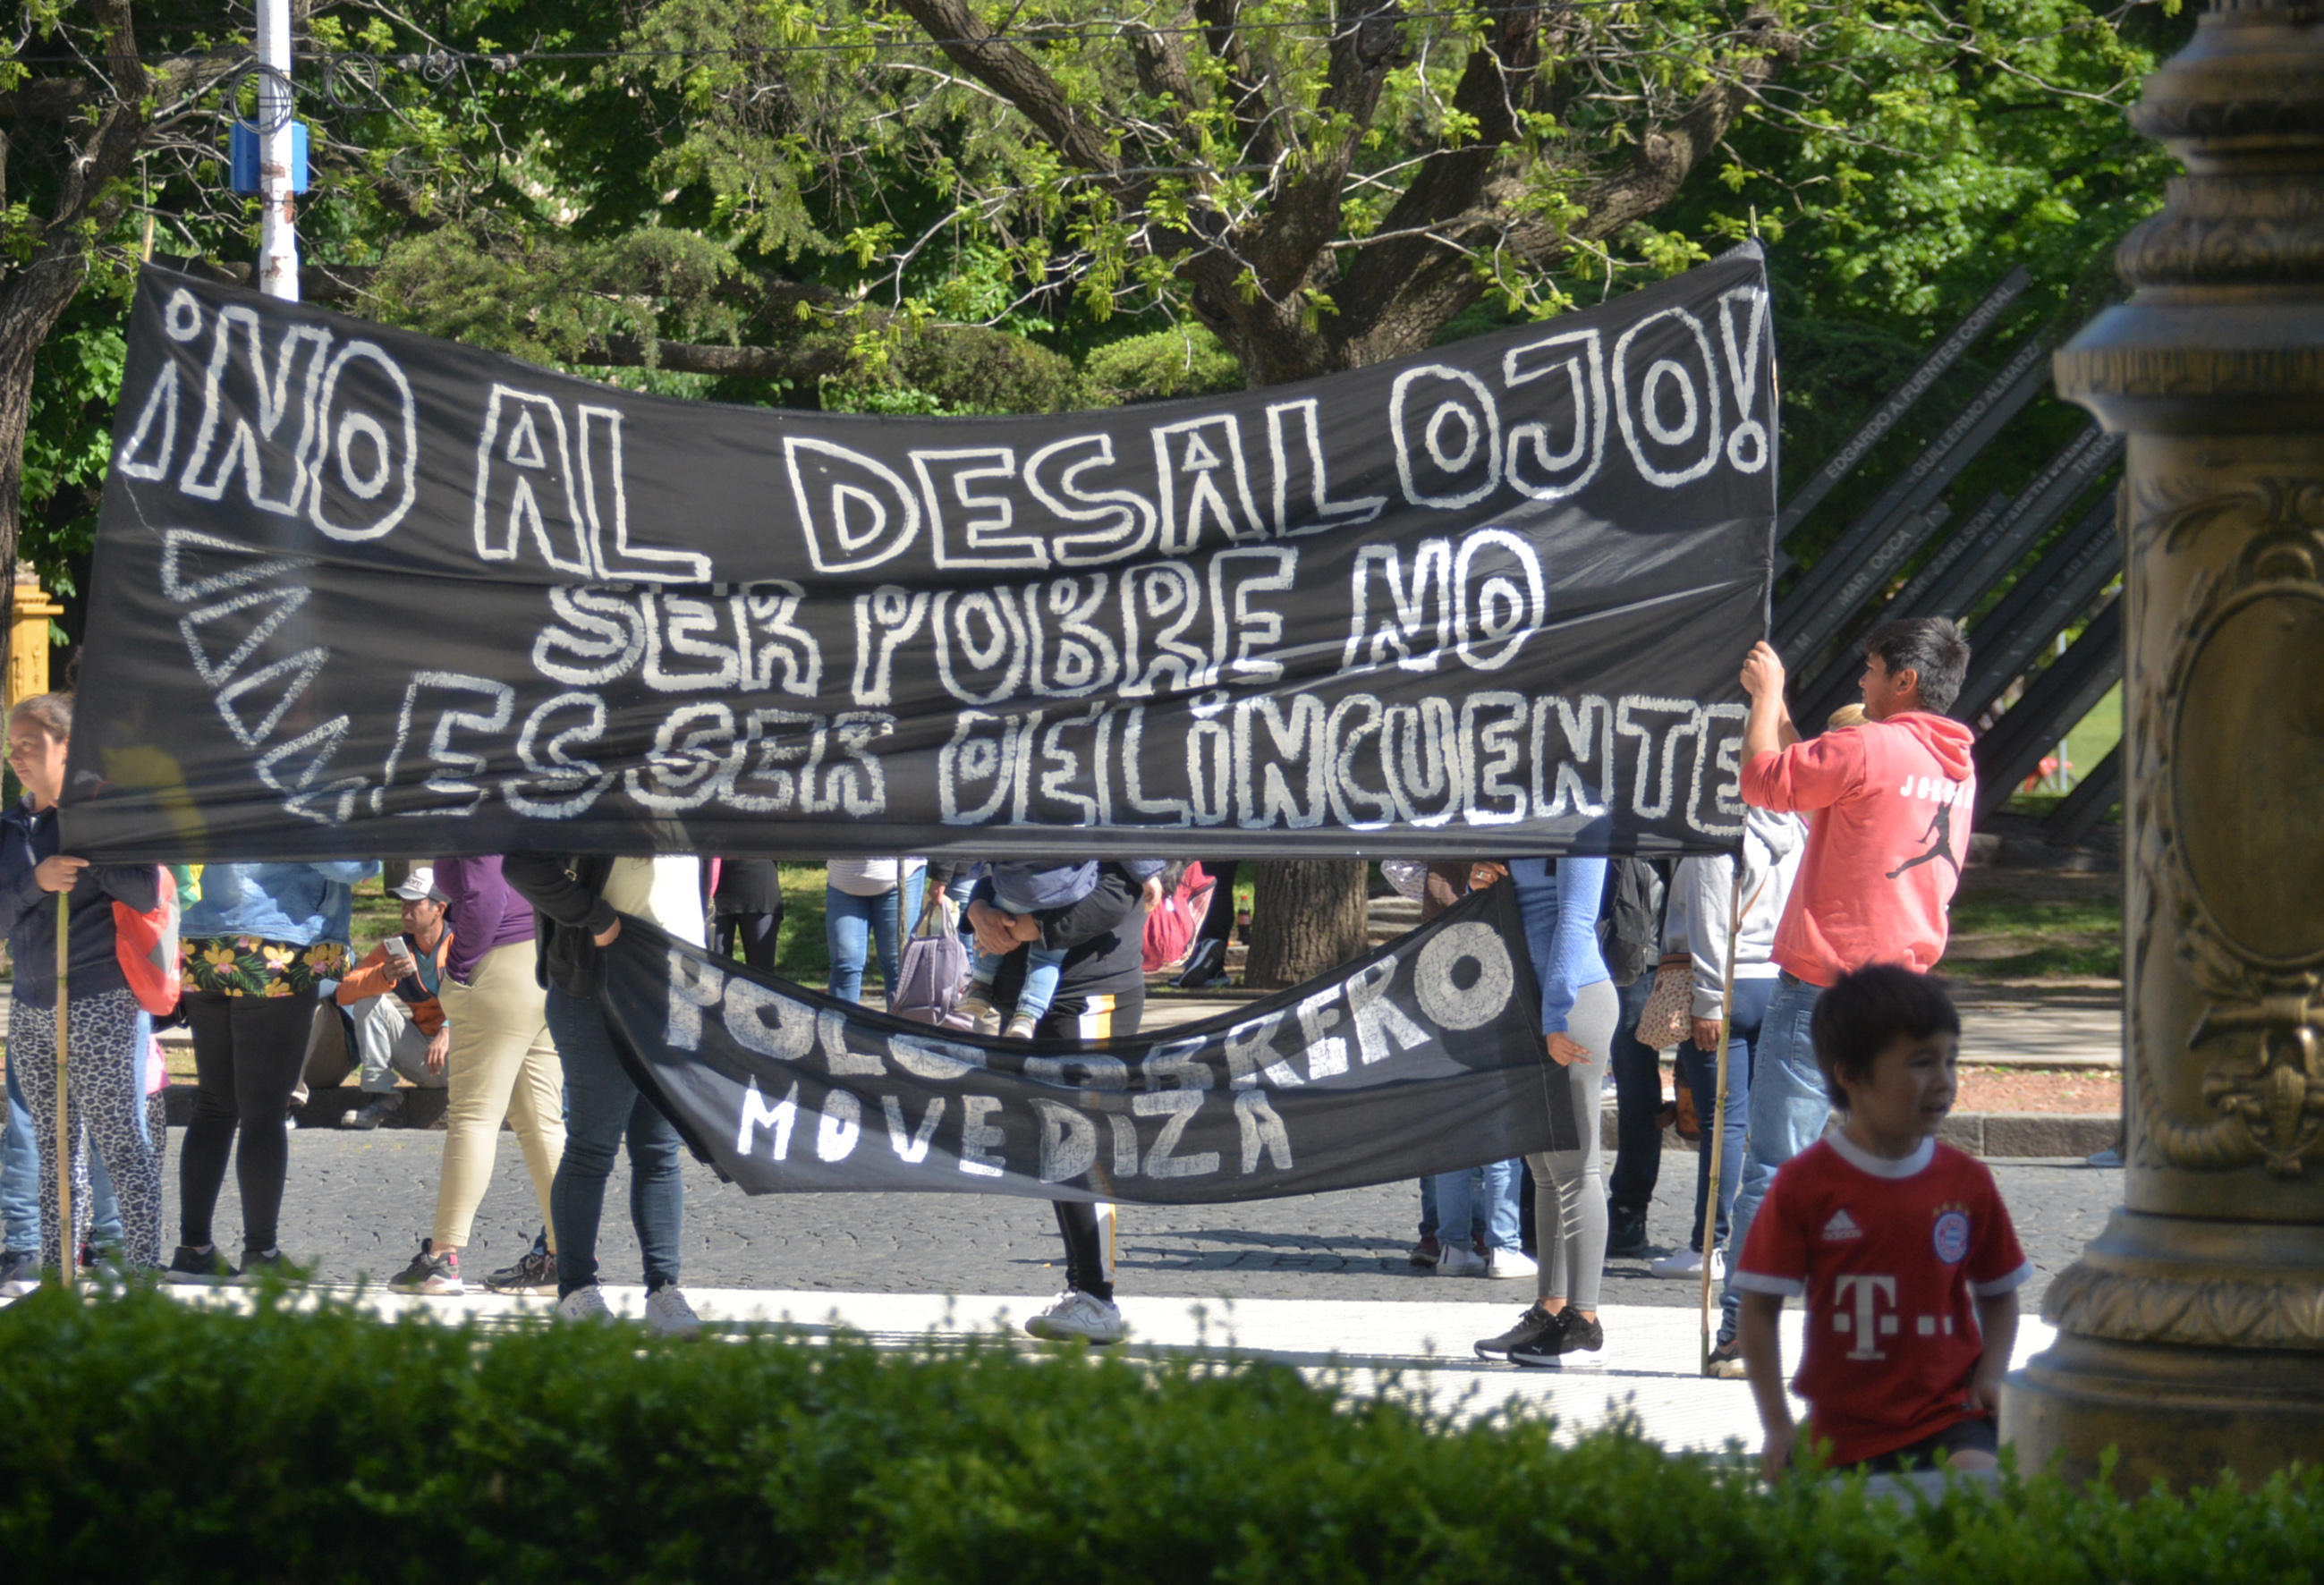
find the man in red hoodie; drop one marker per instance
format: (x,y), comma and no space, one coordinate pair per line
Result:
(1889,805)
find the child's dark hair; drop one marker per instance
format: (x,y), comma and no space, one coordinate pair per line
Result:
(1930,647)
(1864,1011)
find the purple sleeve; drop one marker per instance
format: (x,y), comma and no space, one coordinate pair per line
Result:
(480,898)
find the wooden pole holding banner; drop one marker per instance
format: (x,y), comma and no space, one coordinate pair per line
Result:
(67,1245)
(1715,1125)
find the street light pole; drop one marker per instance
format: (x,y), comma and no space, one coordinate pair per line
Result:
(278,249)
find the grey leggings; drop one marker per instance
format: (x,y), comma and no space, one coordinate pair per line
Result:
(1569,1187)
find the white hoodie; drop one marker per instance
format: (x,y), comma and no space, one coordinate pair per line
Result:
(1701,893)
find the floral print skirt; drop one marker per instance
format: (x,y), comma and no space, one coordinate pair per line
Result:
(251,966)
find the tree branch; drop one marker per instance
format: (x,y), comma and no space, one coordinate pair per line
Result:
(1305,217)
(1015,76)
(1450,182)
(1408,301)
(1254,120)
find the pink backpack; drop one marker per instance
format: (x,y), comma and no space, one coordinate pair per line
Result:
(1170,928)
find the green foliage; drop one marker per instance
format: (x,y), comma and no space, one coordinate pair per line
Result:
(1896,174)
(980,371)
(556,304)
(156,1441)
(1186,360)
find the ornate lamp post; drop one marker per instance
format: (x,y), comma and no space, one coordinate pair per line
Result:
(2191,1333)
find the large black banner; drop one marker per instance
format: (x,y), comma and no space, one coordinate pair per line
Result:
(361,592)
(1425,1055)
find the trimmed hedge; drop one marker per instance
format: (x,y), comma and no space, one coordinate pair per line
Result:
(149,1440)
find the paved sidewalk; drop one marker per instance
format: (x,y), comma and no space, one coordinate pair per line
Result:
(358,1203)
(1420,1353)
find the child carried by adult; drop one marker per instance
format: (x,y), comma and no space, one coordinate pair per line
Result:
(1026,889)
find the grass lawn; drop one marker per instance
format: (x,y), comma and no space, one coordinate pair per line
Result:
(2035,924)
(2090,740)
(802,951)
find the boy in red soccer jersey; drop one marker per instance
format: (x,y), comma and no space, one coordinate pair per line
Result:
(1900,1245)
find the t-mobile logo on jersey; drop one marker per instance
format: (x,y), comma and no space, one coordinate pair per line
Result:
(1861,1316)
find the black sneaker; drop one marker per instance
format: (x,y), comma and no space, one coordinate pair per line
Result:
(192,1268)
(431,1271)
(535,1272)
(1726,1361)
(1626,1237)
(259,1264)
(1576,1335)
(1532,1328)
(1205,965)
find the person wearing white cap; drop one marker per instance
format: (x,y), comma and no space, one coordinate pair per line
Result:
(411,1038)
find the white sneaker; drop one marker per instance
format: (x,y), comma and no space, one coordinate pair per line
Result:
(1683,1263)
(1077,1314)
(669,1314)
(1510,1262)
(1460,1260)
(584,1304)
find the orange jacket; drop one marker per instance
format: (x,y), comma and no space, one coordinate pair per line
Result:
(370,978)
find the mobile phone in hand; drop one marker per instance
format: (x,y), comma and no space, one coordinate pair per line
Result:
(399,954)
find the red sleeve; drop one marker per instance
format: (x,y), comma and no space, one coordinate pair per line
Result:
(1812,774)
(1775,1256)
(1997,1264)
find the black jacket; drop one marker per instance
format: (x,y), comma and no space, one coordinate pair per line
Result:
(1102,936)
(570,912)
(29,916)
(748,885)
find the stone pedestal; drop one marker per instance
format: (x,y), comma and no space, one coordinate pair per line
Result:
(2192,1334)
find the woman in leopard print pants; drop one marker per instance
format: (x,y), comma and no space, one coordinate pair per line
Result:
(107,1030)
(105,1106)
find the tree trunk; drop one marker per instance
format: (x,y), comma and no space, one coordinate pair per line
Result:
(30,306)
(1308,917)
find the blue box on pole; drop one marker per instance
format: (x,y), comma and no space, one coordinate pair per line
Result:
(242,150)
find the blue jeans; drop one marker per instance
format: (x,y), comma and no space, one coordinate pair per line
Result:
(1044,966)
(1637,1104)
(854,925)
(20,1185)
(1484,1195)
(1789,1109)
(602,1107)
(1700,1071)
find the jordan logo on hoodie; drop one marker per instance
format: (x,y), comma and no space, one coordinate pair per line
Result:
(1940,834)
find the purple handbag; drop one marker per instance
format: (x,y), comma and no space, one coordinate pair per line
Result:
(933,975)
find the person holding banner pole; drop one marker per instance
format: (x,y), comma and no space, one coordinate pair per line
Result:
(1889,805)
(1558,901)
(1101,994)
(78,1036)
(578,904)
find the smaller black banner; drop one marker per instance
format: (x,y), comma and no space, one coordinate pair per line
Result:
(1423,1056)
